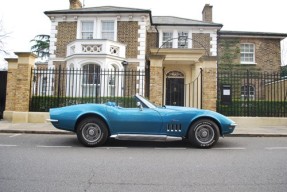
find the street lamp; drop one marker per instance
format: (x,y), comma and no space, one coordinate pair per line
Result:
(182,40)
(125,64)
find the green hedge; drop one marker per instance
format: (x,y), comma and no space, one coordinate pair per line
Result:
(44,103)
(254,108)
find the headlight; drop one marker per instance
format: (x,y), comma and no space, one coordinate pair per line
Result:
(232,126)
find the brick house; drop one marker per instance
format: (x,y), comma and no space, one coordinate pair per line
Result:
(250,50)
(175,51)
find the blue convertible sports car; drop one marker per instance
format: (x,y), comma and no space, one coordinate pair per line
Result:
(95,123)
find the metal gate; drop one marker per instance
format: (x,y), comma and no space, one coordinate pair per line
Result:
(3,85)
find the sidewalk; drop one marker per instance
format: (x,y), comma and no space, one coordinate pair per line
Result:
(47,128)
(37,128)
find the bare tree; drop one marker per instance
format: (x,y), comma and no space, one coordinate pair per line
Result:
(3,36)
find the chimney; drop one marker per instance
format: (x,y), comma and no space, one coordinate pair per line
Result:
(75,4)
(207,13)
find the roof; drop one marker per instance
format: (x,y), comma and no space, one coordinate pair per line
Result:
(157,20)
(177,21)
(99,10)
(252,34)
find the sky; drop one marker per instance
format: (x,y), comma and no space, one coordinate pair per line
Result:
(24,19)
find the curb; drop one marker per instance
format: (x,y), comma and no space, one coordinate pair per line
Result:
(256,135)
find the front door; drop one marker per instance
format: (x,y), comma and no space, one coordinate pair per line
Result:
(175,90)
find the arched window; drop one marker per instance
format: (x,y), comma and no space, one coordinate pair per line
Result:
(91,85)
(175,74)
(44,86)
(112,81)
(91,74)
(247,91)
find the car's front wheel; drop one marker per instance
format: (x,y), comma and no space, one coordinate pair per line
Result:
(92,132)
(204,133)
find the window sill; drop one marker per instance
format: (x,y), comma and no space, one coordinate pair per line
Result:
(248,63)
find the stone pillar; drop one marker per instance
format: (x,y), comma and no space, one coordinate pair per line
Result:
(19,86)
(156,79)
(209,83)
(11,84)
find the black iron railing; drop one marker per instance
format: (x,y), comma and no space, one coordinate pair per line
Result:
(252,94)
(61,87)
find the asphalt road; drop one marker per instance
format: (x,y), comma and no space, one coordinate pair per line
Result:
(60,163)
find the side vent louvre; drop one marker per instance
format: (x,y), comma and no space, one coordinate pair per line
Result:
(173,127)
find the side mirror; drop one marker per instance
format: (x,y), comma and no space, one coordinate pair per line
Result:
(139,105)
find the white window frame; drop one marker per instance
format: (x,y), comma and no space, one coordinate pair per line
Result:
(92,31)
(108,31)
(97,28)
(168,44)
(245,52)
(175,34)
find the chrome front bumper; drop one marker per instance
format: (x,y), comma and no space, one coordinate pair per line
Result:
(52,120)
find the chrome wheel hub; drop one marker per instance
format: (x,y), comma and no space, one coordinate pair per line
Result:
(204,134)
(91,132)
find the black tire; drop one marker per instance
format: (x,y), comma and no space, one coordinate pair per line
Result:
(204,133)
(92,132)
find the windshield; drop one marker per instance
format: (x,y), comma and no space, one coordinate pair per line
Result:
(145,102)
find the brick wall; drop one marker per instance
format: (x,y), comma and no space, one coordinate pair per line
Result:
(152,41)
(267,54)
(128,34)
(156,86)
(201,41)
(209,88)
(11,89)
(59,63)
(67,32)
(41,66)
(130,80)
(229,51)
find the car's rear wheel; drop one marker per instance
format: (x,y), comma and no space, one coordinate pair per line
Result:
(204,133)
(92,132)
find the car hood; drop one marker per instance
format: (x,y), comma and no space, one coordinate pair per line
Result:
(194,112)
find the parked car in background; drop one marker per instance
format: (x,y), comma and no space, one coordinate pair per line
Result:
(95,123)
